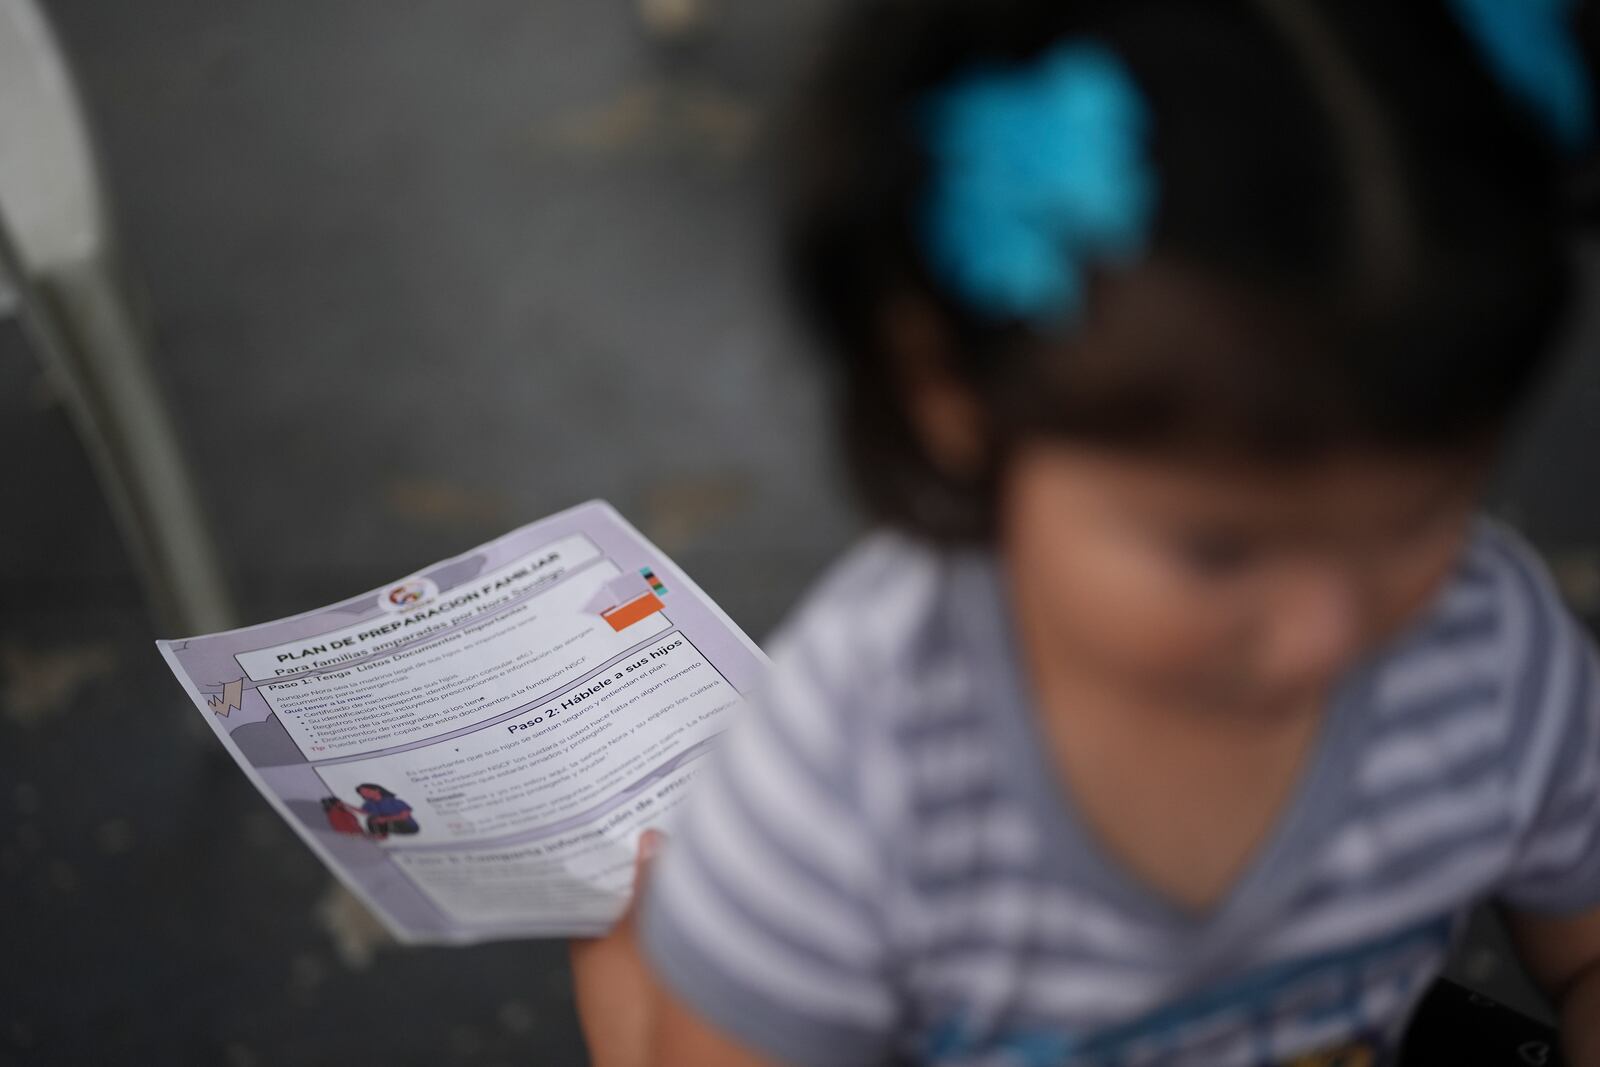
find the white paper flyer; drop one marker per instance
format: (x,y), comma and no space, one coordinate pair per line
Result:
(475,749)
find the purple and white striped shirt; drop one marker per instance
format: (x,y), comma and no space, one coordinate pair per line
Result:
(880,866)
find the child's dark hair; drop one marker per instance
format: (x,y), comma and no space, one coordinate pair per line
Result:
(1357,243)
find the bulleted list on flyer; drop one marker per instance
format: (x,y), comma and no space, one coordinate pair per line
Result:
(475,749)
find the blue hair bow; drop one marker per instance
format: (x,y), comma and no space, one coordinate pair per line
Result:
(1530,46)
(1036,171)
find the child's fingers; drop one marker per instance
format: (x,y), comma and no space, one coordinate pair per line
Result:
(611,982)
(650,843)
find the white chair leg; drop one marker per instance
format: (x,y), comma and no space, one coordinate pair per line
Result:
(79,320)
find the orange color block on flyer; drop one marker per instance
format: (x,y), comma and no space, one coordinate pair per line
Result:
(624,615)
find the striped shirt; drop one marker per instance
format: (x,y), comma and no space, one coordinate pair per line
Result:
(879,864)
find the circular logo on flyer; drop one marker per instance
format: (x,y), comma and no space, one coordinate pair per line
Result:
(411,593)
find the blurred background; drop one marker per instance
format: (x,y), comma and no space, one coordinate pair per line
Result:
(407,274)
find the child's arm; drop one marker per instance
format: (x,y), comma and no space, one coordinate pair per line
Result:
(767,915)
(631,1020)
(680,1038)
(612,988)
(1564,956)
(628,1018)
(1551,893)
(761,936)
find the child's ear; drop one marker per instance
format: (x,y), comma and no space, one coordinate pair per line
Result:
(943,410)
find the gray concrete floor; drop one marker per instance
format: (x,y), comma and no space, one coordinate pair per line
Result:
(383,247)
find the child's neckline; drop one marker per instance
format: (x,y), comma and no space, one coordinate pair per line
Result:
(1075,851)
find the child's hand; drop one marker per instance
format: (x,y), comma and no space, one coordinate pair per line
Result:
(612,985)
